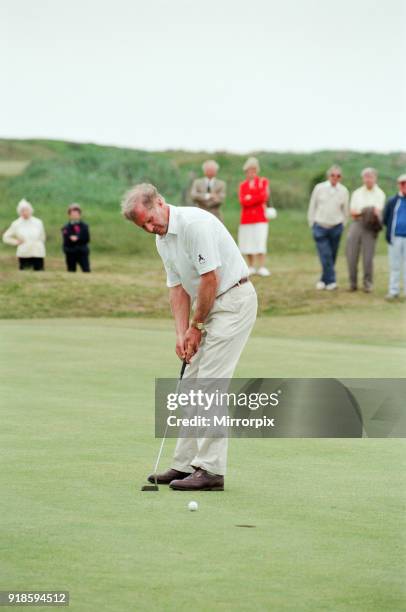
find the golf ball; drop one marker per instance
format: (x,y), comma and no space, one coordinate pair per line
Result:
(193,506)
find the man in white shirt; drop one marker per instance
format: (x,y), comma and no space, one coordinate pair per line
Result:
(204,266)
(366,206)
(327,215)
(209,192)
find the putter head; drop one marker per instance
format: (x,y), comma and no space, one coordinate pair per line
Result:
(152,487)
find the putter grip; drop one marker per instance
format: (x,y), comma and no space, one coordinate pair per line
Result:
(182,370)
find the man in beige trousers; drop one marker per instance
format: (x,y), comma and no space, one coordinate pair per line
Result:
(366,200)
(209,192)
(204,268)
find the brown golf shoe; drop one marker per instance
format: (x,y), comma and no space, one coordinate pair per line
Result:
(200,480)
(168,476)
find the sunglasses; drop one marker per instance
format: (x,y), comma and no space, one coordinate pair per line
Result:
(335,175)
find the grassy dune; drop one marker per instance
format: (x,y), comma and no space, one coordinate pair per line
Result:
(127,277)
(54,174)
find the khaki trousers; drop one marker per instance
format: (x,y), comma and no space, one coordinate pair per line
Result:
(360,240)
(228,326)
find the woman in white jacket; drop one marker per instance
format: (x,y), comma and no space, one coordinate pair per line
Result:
(28,235)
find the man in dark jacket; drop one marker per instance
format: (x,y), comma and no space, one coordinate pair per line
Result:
(76,238)
(394,218)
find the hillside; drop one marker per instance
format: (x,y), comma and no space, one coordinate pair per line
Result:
(51,174)
(127,277)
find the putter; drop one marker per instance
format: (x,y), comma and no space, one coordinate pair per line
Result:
(154,487)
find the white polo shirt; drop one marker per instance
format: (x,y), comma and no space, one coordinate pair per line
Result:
(364,198)
(197,242)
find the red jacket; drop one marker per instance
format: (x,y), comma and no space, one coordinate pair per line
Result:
(253,208)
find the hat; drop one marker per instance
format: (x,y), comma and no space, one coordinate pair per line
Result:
(402,178)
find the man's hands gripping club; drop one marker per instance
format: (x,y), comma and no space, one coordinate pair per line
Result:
(188,338)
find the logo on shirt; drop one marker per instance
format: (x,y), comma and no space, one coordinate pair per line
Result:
(201,259)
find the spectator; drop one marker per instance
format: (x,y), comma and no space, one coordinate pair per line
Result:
(394,218)
(76,238)
(327,214)
(209,192)
(28,235)
(253,230)
(366,208)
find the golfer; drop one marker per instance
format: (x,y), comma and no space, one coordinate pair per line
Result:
(205,269)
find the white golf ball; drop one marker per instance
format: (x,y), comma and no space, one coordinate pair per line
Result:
(193,506)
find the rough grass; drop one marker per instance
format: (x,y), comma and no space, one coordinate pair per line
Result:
(134,286)
(12,168)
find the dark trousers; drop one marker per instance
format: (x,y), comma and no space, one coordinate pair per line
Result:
(327,241)
(36,263)
(75,258)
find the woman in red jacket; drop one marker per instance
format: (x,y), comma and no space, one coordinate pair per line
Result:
(253,230)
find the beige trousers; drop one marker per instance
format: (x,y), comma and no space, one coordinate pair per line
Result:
(360,240)
(228,326)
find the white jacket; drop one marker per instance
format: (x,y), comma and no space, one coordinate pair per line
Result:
(31,232)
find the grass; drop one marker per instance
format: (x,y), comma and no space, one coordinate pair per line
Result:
(12,168)
(77,369)
(77,441)
(128,279)
(135,286)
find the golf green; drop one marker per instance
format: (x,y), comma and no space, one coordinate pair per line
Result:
(327,516)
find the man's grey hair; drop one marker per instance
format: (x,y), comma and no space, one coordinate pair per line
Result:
(208,163)
(334,169)
(369,171)
(143,193)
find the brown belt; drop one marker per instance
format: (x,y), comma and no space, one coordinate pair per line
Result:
(240,282)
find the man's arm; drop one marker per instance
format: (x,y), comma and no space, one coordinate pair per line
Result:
(198,196)
(354,209)
(312,207)
(381,205)
(205,299)
(206,295)
(180,307)
(220,194)
(386,210)
(346,205)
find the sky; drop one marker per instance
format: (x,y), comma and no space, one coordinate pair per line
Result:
(235,75)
